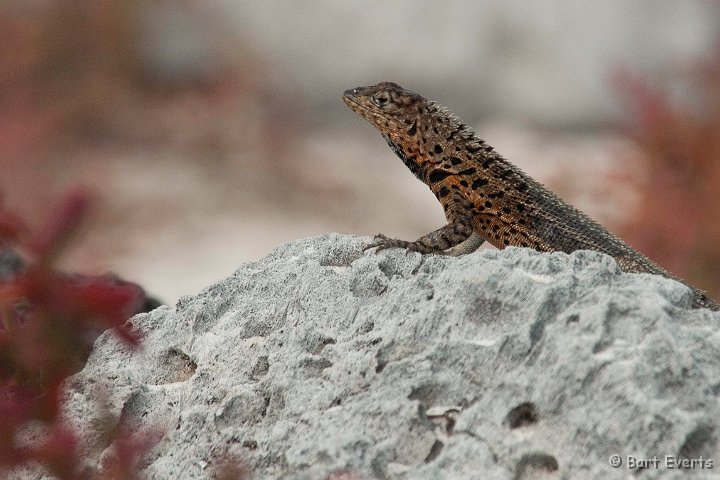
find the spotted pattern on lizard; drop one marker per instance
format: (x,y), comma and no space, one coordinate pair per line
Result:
(485,197)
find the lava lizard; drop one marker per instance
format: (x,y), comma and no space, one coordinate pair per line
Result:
(484,196)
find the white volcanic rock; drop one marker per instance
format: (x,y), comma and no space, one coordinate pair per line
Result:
(321,359)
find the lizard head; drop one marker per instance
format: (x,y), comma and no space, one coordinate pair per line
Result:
(388,106)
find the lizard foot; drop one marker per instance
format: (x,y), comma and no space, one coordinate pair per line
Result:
(381,242)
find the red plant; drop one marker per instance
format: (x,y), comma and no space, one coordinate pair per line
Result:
(128,447)
(679,209)
(48,321)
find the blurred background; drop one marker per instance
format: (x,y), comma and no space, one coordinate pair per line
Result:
(212,131)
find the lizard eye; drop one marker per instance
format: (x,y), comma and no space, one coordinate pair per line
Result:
(381,100)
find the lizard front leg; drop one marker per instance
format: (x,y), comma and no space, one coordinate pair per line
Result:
(458,230)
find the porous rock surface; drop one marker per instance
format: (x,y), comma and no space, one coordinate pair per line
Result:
(319,360)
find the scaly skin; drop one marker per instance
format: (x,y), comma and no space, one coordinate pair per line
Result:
(485,197)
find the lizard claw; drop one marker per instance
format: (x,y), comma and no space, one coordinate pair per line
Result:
(379,242)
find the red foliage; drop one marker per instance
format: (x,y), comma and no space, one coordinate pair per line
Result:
(123,461)
(11,228)
(679,208)
(48,321)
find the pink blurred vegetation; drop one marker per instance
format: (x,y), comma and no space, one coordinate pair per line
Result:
(73,74)
(677,222)
(48,321)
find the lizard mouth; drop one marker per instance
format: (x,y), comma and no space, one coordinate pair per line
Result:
(350,99)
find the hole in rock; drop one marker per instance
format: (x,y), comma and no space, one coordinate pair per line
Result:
(521,415)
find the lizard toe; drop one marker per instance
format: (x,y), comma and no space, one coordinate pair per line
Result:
(379,242)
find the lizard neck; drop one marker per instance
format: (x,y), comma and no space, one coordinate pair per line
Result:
(409,160)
